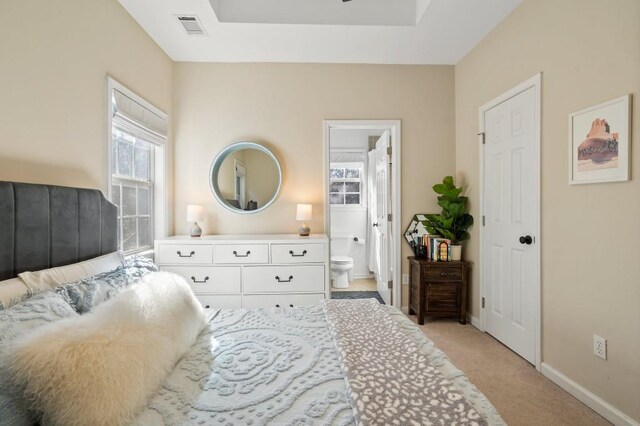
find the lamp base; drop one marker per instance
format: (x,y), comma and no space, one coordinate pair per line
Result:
(195,231)
(304,230)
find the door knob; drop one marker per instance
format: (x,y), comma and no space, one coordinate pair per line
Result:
(526,240)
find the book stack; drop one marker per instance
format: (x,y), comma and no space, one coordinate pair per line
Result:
(432,247)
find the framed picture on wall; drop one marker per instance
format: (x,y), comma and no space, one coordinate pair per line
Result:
(599,139)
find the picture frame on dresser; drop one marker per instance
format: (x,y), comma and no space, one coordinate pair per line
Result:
(250,271)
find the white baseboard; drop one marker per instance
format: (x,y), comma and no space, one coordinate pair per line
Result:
(474,321)
(405,310)
(362,276)
(590,399)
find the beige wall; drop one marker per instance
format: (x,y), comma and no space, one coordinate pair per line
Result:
(283,106)
(588,52)
(55,57)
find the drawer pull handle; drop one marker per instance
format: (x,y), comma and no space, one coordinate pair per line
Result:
(207,306)
(443,274)
(297,255)
(291,306)
(284,281)
(200,281)
(235,253)
(185,255)
(277,306)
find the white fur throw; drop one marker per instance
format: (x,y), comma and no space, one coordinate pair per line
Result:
(102,367)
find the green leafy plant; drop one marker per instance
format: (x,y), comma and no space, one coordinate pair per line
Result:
(454,220)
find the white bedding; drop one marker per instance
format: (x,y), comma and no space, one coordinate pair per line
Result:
(277,366)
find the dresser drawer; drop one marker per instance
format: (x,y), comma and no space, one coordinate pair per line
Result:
(443,273)
(241,253)
(283,279)
(184,254)
(280,300)
(209,279)
(220,301)
(297,253)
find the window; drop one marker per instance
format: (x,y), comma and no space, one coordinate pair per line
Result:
(345,184)
(136,172)
(132,190)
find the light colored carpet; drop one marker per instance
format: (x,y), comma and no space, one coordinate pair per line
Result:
(521,394)
(364,284)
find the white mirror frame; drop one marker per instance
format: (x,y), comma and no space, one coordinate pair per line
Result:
(217,163)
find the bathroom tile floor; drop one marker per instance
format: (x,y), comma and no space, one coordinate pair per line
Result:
(365,284)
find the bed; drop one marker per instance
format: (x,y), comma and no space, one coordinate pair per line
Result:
(338,363)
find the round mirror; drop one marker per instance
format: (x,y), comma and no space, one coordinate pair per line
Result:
(245,177)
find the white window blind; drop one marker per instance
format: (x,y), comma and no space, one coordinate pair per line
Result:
(134,118)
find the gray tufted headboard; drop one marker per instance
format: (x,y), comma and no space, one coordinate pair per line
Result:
(43,226)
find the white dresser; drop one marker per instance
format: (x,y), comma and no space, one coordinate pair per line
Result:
(250,271)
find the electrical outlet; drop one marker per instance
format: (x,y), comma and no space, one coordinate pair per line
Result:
(600,347)
(405,279)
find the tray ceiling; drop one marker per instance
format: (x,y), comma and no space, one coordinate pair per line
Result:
(357,31)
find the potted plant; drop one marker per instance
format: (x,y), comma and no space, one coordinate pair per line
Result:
(452,223)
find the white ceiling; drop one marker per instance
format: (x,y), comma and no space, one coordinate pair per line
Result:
(359,31)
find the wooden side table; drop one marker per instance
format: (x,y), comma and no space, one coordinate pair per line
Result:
(438,289)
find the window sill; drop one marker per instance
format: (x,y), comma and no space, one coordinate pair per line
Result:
(143,253)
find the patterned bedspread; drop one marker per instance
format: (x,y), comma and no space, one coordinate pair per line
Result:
(281,366)
(390,381)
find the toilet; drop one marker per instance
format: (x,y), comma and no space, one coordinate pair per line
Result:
(341,262)
(341,271)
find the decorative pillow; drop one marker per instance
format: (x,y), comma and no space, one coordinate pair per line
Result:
(101,368)
(54,277)
(13,291)
(89,292)
(15,321)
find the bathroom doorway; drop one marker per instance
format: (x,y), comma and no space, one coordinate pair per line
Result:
(362,202)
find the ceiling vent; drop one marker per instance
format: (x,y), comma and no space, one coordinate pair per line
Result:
(191,25)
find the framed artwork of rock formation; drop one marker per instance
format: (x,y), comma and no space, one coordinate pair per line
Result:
(599,139)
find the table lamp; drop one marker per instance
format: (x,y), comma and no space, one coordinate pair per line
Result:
(303,213)
(195,213)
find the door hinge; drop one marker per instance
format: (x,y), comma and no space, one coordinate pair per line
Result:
(390,284)
(483,302)
(483,137)
(389,216)
(483,220)
(389,150)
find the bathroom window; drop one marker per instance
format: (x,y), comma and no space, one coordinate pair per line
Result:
(345,184)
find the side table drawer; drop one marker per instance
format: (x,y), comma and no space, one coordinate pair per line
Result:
(209,279)
(444,273)
(443,297)
(185,254)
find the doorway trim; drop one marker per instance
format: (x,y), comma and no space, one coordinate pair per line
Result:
(536,83)
(394,127)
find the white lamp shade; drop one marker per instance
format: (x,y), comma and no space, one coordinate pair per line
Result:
(195,213)
(303,212)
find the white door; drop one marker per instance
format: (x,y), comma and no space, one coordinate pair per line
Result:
(240,183)
(510,256)
(383,208)
(372,258)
